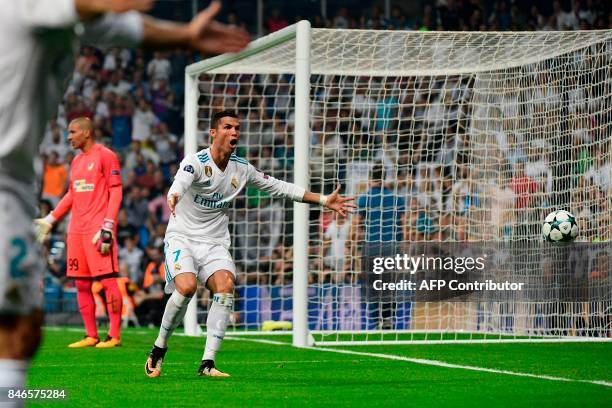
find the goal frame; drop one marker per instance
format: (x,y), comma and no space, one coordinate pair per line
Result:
(301,34)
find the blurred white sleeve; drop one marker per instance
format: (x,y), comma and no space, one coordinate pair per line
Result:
(114,30)
(47,13)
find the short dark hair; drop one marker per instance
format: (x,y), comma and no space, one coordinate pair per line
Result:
(376,173)
(223,114)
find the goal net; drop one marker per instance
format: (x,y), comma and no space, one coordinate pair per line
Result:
(452,137)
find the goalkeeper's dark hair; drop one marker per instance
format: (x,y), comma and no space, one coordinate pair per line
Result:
(219,115)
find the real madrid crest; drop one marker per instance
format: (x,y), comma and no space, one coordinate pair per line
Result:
(177,266)
(208,171)
(234,182)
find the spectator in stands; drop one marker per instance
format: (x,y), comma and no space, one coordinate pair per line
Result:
(136,207)
(125,229)
(112,61)
(526,191)
(382,216)
(160,99)
(275,22)
(143,121)
(117,84)
(132,256)
(334,246)
(537,166)
(341,19)
(80,109)
(150,299)
(136,150)
(158,208)
(600,173)
(121,123)
(55,179)
(166,145)
(54,142)
(159,68)
(147,179)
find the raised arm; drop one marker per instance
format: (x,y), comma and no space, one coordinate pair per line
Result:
(279,188)
(114,28)
(203,34)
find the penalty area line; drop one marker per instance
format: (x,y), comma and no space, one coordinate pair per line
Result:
(435,363)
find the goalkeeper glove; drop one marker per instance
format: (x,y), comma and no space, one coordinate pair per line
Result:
(42,227)
(103,240)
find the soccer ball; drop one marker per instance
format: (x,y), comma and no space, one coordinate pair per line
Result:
(560,226)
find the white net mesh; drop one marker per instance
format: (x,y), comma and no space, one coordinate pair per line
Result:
(465,136)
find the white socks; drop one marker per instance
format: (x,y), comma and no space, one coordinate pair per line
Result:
(216,323)
(173,315)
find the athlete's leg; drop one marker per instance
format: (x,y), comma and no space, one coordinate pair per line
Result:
(87,306)
(78,269)
(186,285)
(104,268)
(114,304)
(221,284)
(182,280)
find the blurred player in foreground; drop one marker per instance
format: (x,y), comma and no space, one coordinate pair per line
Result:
(37,43)
(197,239)
(94,196)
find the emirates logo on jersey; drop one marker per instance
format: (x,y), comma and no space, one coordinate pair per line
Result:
(235,182)
(90,166)
(208,171)
(81,186)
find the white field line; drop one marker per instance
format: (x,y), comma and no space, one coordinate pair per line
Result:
(435,363)
(225,363)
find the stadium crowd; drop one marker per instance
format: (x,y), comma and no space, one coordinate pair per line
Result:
(136,102)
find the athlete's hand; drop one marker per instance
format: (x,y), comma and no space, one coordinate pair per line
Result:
(103,240)
(211,37)
(172,201)
(340,204)
(42,229)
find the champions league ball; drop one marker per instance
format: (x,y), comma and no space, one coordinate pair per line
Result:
(560,226)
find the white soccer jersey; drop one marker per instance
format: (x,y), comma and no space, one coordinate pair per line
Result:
(37,43)
(207,194)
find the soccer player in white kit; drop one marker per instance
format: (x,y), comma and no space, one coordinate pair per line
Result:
(197,238)
(38,40)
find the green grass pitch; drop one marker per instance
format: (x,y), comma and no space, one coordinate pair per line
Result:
(269,375)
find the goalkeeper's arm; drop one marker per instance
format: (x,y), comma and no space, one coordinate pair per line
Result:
(44,225)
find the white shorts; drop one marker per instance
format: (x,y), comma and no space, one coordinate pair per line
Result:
(184,255)
(22,266)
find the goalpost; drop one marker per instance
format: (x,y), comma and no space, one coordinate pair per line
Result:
(478,134)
